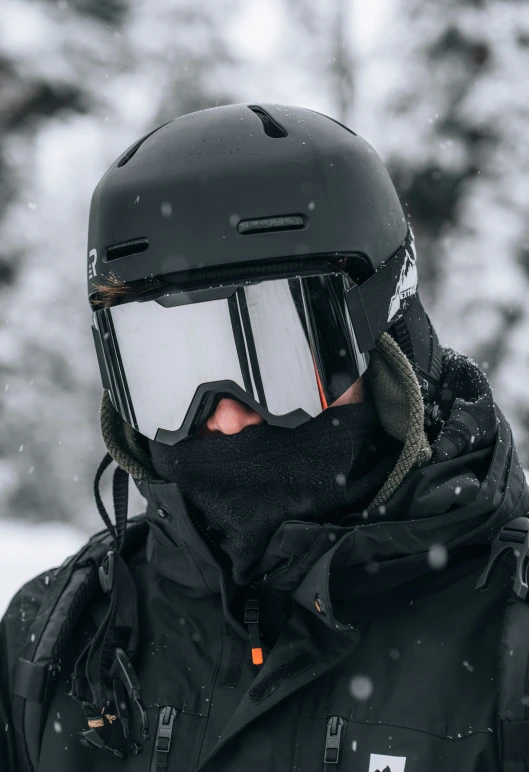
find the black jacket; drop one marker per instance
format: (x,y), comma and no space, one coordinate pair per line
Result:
(379,652)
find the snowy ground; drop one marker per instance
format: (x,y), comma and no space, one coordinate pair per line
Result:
(27,549)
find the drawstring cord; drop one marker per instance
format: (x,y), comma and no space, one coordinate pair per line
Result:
(113,665)
(105,463)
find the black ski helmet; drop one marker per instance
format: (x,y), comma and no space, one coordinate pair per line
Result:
(256,184)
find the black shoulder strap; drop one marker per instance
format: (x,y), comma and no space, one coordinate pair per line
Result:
(513,662)
(71,590)
(513,693)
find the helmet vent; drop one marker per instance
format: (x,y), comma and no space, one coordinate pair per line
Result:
(291,222)
(271,128)
(126,248)
(131,151)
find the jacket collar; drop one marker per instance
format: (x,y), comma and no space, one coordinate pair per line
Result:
(445,505)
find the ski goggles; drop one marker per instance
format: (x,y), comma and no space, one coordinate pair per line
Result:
(285,347)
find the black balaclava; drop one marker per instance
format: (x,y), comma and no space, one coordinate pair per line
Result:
(239,489)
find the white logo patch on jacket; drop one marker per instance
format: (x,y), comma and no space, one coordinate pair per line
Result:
(378,763)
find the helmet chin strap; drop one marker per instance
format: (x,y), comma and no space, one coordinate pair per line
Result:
(417,339)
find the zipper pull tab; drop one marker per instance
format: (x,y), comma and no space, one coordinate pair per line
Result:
(333,740)
(162,741)
(251,620)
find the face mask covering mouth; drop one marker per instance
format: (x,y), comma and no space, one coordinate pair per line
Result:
(239,489)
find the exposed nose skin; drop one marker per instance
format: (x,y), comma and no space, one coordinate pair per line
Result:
(231,417)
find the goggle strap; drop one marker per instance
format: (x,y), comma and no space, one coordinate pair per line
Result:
(382,300)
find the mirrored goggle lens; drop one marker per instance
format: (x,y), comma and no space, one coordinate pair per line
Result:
(285,347)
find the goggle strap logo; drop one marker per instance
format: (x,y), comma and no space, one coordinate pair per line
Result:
(92,271)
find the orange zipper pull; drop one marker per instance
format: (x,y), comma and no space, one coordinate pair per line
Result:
(257,656)
(251,620)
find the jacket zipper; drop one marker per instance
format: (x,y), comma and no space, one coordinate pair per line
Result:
(333,742)
(276,573)
(251,606)
(162,740)
(251,620)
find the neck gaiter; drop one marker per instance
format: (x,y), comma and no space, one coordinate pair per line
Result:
(239,489)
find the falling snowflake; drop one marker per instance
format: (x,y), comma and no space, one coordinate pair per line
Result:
(361,687)
(437,556)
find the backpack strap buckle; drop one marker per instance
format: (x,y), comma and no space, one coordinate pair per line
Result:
(513,536)
(106,572)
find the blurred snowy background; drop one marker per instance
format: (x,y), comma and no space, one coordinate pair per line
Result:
(440,90)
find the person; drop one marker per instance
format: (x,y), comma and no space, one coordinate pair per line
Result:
(330,574)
